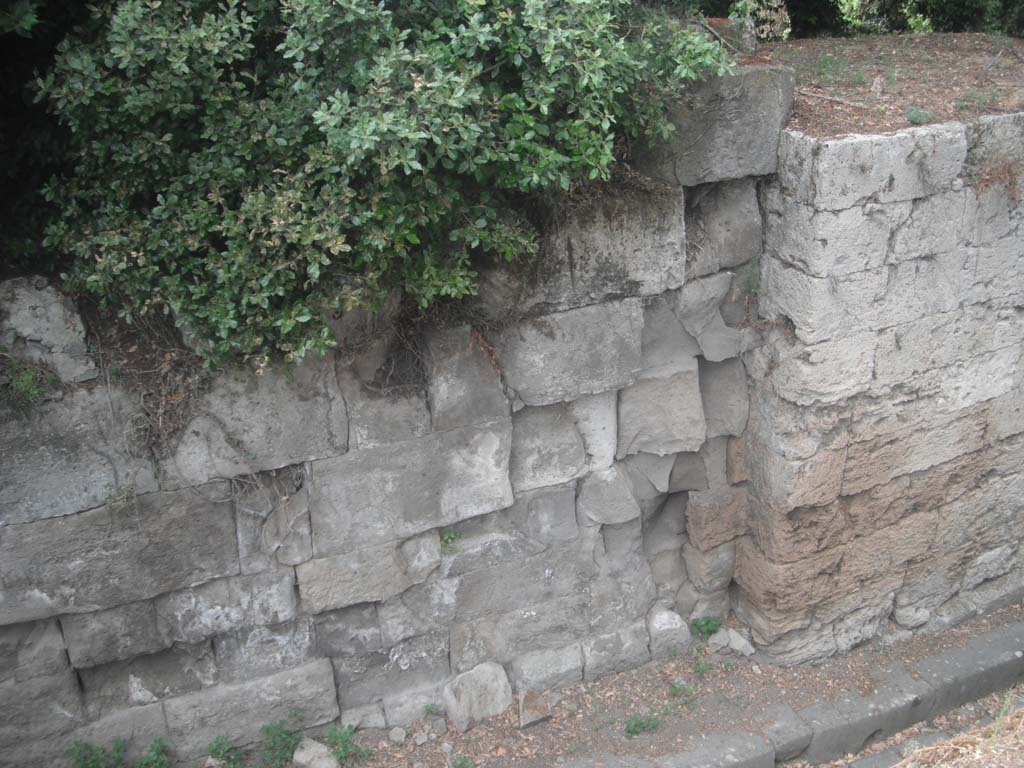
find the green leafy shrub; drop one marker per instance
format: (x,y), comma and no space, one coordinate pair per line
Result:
(222,749)
(706,626)
(638,724)
(84,755)
(157,756)
(279,743)
(254,166)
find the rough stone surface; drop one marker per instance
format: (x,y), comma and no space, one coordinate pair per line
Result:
(615,651)
(313,754)
(116,633)
(40,325)
(786,732)
(668,632)
(547,448)
(79,439)
(661,416)
(567,354)
(475,695)
(256,651)
(239,711)
(723,226)
(728,750)
(606,497)
(244,424)
(543,670)
(597,423)
(463,382)
(382,494)
(723,389)
(726,128)
(151,544)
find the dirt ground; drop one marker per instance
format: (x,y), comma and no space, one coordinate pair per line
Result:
(696,693)
(883,83)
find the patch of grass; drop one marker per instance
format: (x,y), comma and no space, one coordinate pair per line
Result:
(461,761)
(975,101)
(701,667)
(683,692)
(729,665)
(918,116)
(344,749)
(222,749)
(279,742)
(24,385)
(638,724)
(157,756)
(705,627)
(432,710)
(84,755)
(448,538)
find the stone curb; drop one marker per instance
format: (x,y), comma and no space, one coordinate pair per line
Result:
(824,732)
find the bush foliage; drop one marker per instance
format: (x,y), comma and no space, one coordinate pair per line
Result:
(254,166)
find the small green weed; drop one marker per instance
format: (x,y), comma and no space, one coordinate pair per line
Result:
(89,756)
(157,756)
(638,724)
(705,627)
(461,761)
(345,751)
(918,116)
(279,742)
(432,710)
(448,539)
(23,385)
(729,665)
(683,692)
(701,667)
(221,749)
(975,101)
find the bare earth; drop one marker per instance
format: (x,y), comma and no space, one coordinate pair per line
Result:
(884,83)
(731,695)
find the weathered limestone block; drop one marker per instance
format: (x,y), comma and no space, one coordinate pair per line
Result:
(239,711)
(352,631)
(313,754)
(822,309)
(982,378)
(475,695)
(726,128)
(463,382)
(246,423)
(383,392)
(30,650)
(148,679)
(79,439)
(616,651)
(692,604)
(723,226)
(257,651)
(272,512)
(366,575)
(664,530)
(989,565)
(668,632)
(116,554)
(39,707)
(873,462)
(624,588)
(606,497)
(994,140)
(547,449)
(40,325)
(979,519)
(688,473)
(390,492)
(567,354)
(840,173)
(414,665)
(366,716)
(597,422)
(712,570)
(191,615)
(822,373)
(667,348)
(723,388)
(547,669)
(736,460)
(998,274)
(790,535)
(631,243)
(116,633)
(697,305)
(823,242)
(716,516)
(661,416)
(425,608)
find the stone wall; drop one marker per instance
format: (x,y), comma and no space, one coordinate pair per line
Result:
(563,494)
(887,419)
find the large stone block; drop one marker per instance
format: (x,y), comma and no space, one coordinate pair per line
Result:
(723,390)
(668,348)
(117,554)
(723,226)
(662,416)
(246,423)
(30,650)
(476,695)
(79,439)
(823,373)
(697,305)
(367,575)
(628,243)
(616,651)
(567,354)
(352,631)
(381,494)
(39,708)
(40,325)
(116,633)
(544,670)
(547,449)
(597,422)
(422,609)
(257,651)
(191,615)
(463,379)
(716,516)
(240,711)
(272,515)
(606,497)
(726,128)
(148,679)
(413,665)
(840,173)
